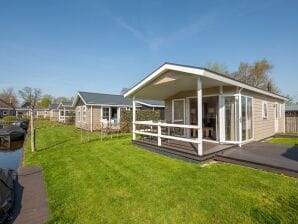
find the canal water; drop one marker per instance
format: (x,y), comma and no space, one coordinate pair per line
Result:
(11,158)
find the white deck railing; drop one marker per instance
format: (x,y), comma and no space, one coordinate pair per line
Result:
(160,135)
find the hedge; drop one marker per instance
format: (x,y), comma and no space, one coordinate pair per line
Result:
(10,118)
(141,115)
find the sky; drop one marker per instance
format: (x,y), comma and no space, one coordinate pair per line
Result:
(103,46)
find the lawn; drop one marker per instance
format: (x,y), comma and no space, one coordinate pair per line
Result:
(284,141)
(113,181)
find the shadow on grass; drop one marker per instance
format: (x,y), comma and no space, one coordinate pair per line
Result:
(55,144)
(292,153)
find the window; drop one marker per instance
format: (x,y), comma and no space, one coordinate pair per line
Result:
(106,113)
(280,110)
(178,111)
(265,110)
(79,114)
(84,114)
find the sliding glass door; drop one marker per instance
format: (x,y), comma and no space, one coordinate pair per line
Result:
(230,118)
(246,110)
(237,118)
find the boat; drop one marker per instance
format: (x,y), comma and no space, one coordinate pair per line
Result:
(7,193)
(10,135)
(23,123)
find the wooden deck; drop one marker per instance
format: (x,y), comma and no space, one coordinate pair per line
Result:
(183,150)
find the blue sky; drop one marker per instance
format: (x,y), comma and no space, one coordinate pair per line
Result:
(103,46)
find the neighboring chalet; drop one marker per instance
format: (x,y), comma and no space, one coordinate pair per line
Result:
(23,111)
(42,113)
(6,109)
(205,111)
(66,112)
(54,112)
(95,109)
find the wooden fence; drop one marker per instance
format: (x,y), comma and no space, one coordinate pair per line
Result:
(291,124)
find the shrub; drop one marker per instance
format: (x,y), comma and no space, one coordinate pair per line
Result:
(141,115)
(10,118)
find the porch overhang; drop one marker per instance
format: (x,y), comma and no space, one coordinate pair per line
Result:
(170,79)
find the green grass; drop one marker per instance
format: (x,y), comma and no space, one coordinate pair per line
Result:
(284,141)
(113,181)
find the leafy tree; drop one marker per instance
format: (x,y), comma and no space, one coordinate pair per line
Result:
(216,67)
(44,102)
(31,96)
(9,96)
(257,74)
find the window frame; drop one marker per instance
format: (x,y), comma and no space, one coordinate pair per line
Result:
(173,111)
(84,114)
(265,116)
(103,111)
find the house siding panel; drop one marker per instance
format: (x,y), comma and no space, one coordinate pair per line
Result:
(264,128)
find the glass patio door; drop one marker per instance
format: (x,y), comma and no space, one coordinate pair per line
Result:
(237,119)
(230,122)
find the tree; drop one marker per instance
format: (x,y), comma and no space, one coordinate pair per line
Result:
(60,99)
(257,74)
(45,101)
(9,96)
(216,67)
(31,96)
(124,90)
(291,100)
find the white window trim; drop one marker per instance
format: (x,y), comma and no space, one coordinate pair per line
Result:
(263,112)
(173,111)
(79,114)
(102,109)
(84,109)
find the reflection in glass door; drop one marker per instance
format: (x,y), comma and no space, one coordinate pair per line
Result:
(232,118)
(231,115)
(246,115)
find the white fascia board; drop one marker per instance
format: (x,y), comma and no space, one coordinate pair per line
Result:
(77,98)
(108,105)
(199,72)
(149,105)
(214,76)
(159,71)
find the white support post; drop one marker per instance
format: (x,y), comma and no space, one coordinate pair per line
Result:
(133,118)
(240,120)
(200,120)
(91,119)
(221,115)
(159,134)
(64,115)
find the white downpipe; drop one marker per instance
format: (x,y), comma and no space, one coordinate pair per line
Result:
(64,115)
(240,117)
(199,102)
(91,119)
(133,118)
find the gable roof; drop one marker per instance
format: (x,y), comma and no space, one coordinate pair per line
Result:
(53,106)
(199,71)
(293,107)
(5,105)
(89,98)
(66,103)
